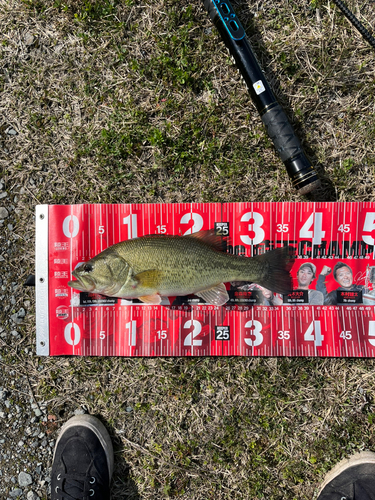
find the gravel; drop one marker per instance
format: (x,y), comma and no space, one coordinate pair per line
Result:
(26,450)
(3,211)
(26,441)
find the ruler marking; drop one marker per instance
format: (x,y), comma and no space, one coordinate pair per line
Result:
(71,269)
(358,336)
(338,320)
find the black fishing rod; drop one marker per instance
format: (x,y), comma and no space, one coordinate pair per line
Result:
(349,15)
(300,170)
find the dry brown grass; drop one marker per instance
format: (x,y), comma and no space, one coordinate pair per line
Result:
(141,104)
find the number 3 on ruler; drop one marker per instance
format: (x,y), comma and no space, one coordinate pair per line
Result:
(256,332)
(255,226)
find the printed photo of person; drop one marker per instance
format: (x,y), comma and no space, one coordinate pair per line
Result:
(263,296)
(344,277)
(305,275)
(269,298)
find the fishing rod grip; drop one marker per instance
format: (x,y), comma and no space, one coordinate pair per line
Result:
(279,129)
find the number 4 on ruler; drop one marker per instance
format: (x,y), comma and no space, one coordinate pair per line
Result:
(312,228)
(314,334)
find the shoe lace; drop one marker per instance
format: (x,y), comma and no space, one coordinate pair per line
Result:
(81,484)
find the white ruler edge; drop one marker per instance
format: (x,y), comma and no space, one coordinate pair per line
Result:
(41,280)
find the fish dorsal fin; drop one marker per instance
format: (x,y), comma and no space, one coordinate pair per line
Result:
(209,237)
(149,278)
(217,295)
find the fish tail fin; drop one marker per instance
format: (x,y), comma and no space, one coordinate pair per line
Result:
(275,269)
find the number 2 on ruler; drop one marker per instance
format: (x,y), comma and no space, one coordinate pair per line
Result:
(190,339)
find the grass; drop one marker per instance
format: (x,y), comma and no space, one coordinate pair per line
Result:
(123,101)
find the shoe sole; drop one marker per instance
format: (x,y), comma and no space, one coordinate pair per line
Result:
(95,425)
(363,457)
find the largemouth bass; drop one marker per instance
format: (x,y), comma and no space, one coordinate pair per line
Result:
(152,267)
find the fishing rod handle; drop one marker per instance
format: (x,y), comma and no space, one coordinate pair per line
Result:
(280,131)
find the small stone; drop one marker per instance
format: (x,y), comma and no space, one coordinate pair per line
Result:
(24,479)
(79,411)
(17,492)
(18,316)
(11,131)
(22,313)
(16,319)
(29,39)
(3,213)
(3,195)
(32,496)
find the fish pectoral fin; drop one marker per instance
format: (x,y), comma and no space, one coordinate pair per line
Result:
(217,295)
(148,279)
(154,299)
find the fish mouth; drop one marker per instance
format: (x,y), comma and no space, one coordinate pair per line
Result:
(83,283)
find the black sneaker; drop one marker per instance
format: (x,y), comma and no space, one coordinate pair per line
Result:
(83,461)
(351,479)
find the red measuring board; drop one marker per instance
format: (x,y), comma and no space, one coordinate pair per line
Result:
(329,311)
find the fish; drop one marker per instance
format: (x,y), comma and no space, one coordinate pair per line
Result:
(151,267)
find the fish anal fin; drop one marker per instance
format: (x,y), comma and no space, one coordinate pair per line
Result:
(153,299)
(216,296)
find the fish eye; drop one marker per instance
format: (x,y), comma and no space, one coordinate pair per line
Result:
(88,267)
